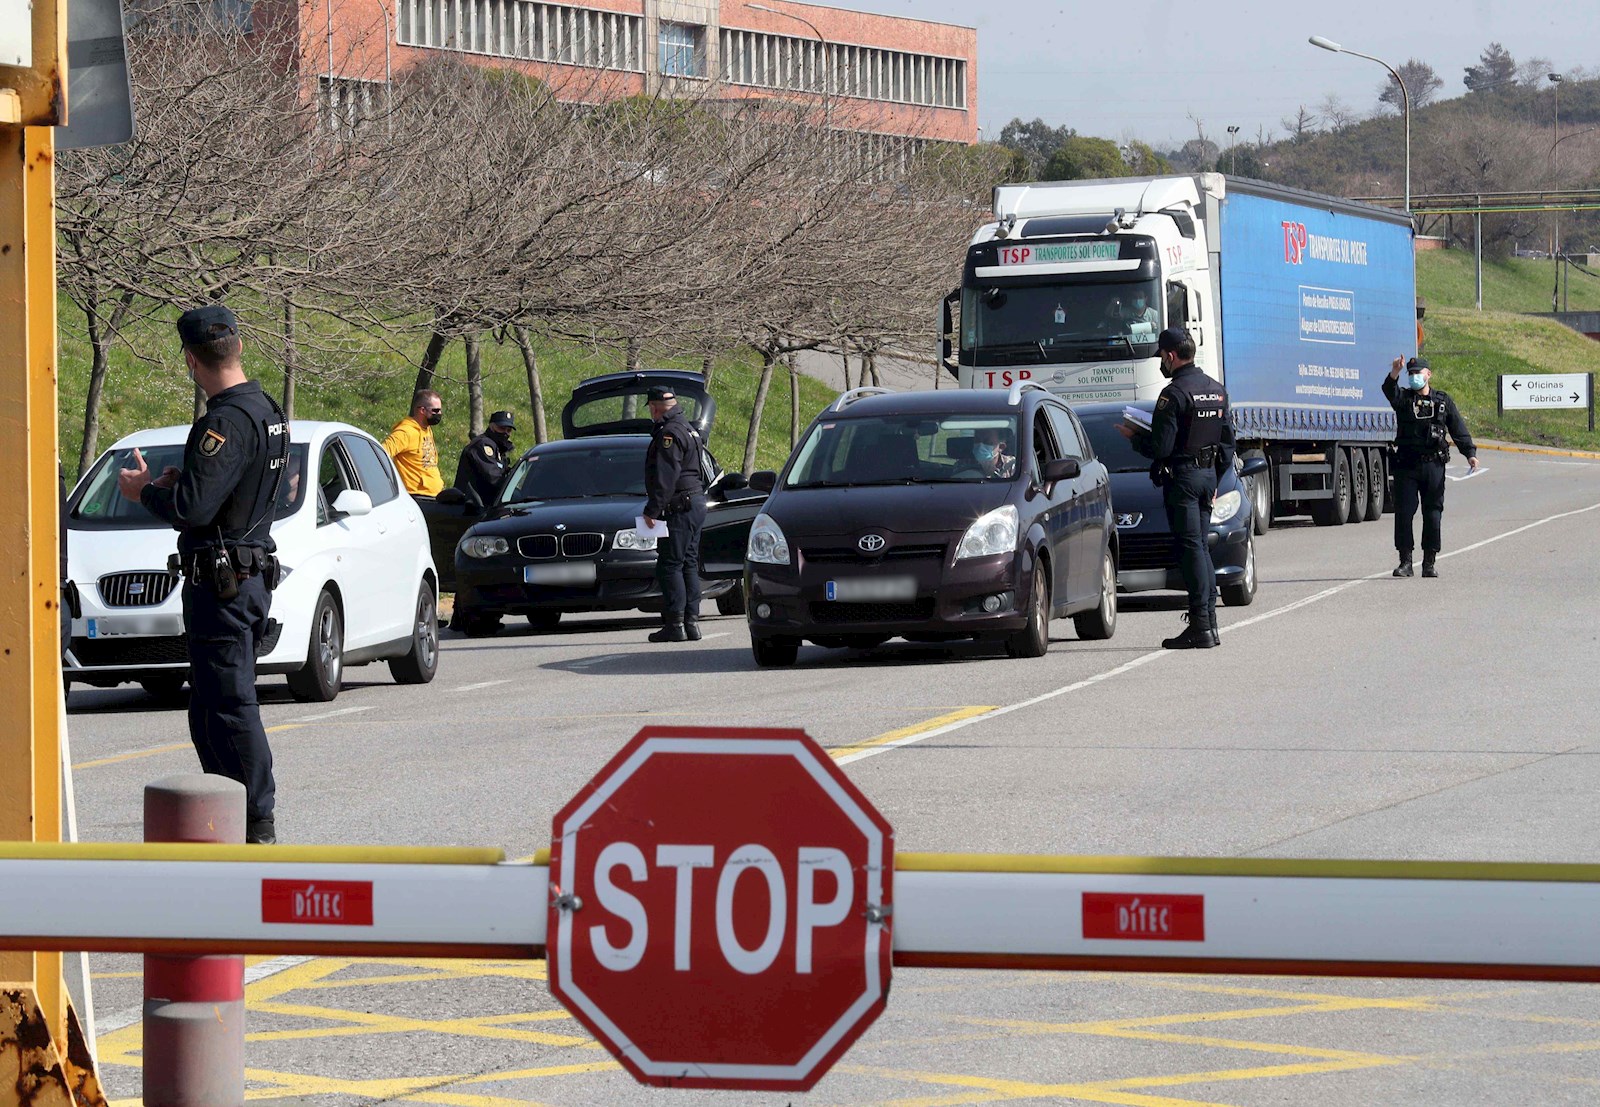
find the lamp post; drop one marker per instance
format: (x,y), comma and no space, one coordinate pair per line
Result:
(1405,97)
(1549,169)
(388,70)
(1231,132)
(822,45)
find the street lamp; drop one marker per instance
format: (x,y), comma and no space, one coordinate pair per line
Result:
(1231,132)
(822,43)
(1549,169)
(1405,97)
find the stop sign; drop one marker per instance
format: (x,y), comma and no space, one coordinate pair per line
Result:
(720,908)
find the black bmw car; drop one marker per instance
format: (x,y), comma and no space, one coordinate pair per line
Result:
(1149,560)
(561,536)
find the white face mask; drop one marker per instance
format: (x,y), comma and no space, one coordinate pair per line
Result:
(1416,382)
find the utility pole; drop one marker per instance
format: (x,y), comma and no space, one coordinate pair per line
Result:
(1232,131)
(1550,165)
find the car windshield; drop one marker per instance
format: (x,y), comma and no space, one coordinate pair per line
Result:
(577,474)
(1030,324)
(1110,447)
(103,507)
(906,449)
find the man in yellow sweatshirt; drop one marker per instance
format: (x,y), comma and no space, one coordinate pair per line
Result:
(411,445)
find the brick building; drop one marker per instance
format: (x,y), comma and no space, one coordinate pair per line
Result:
(876,74)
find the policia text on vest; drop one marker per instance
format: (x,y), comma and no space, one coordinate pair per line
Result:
(221,504)
(1426,421)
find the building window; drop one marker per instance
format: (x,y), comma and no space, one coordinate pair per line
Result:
(680,53)
(348,102)
(803,64)
(517,29)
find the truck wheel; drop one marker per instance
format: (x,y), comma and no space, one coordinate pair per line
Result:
(1243,593)
(1260,494)
(1100,621)
(1358,486)
(1333,511)
(318,681)
(1377,485)
(774,652)
(419,663)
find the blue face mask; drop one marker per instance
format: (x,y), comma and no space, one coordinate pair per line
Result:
(1416,382)
(984,451)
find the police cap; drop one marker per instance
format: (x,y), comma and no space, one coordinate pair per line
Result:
(207,324)
(660,394)
(1418,363)
(1171,338)
(503,419)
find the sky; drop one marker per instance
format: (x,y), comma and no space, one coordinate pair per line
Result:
(1239,63)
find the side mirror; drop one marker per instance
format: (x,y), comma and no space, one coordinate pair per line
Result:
(454,497)
(1253,466)
(949,320)
(352,501)
(734,482)
(1062,468)
(763,480)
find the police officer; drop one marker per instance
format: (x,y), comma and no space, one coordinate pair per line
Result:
(1191,442)
(483,464)
(221,504)
(676,493)
(1424,418)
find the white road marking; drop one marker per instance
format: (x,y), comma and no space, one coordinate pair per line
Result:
(1155,655)
(332,714)
(480,684)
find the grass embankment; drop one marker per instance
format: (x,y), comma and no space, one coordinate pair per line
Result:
(1445,279)
(371,389)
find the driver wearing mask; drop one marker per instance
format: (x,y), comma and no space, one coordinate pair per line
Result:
(412,448)
(989,453)
(486,459)
(1136,310)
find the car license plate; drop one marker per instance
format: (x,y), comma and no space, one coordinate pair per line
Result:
(580,572)
(872,589)
(128,626)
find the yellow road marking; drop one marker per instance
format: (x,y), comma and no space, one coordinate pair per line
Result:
(137,754)
(893,736)
(1510,449)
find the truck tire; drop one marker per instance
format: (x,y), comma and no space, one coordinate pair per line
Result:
(1260,489)
(1377,485)
(1358,486)
(1388,484)
(1333,511)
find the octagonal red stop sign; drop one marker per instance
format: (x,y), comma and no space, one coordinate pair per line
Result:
(720,905)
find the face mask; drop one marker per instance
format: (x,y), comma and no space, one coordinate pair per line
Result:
(435,418)
(984,451)
(1138,303)
(1416,382)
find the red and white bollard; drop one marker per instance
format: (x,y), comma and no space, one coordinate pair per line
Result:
(194,1006)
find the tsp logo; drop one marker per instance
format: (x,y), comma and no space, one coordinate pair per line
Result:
(1294,243)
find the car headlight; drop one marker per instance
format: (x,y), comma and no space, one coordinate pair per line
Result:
(767,545)
(484,545)
(629,540)
(1226,506)
(994,533)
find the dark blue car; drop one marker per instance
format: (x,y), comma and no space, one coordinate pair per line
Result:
(1148,558)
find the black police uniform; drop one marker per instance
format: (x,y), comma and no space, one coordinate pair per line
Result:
(232,463)
(676,493)
(483,465)
(1192,444)
(1422,425)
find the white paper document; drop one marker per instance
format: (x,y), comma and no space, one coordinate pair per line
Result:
(1136,417)
(644,530)
(1470,473)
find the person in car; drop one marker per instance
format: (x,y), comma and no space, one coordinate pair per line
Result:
(1135,310)
(410,444)
(989,454)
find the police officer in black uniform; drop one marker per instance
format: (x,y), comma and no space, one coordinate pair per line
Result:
(676,493)
(1425,417)
(1191,444)
(483,464)
(221,504)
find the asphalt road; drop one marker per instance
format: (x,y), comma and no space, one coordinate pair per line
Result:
(1346,715)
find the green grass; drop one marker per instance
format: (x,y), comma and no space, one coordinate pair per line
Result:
(1469,349)
(1446,279)
(368,384)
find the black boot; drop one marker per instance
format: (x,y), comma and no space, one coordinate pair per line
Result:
(1196,636)
(1429,569)
(261,832)
(1404,568)
(671,631)
(691,629)
(1216,634)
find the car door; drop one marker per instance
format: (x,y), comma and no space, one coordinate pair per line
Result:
(1090,493)
(729,513)
(395,518)
(355,544)
(1054,515)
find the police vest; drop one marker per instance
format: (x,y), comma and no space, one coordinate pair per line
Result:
(1206,414)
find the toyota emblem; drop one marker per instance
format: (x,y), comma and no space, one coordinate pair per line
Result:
(872,543)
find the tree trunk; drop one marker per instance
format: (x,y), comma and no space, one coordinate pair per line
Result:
(708,367)
(635,355)
(291,358)
(753,436)
(844,356)
(474,385)
(794,401)
(430,362)
(535,386)
(872,367)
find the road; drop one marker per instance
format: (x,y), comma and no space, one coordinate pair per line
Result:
(1347,714)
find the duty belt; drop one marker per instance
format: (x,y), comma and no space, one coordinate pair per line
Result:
(1205,459)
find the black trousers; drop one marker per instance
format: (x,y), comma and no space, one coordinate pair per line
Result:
(1418,482)
(1188,501)
(678,563)
(224,715)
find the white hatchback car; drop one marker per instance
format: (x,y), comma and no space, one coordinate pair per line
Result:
(358,581)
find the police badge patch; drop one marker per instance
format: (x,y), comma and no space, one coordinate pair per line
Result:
(1162,402)
(666,440)
(488,451)
(211,444)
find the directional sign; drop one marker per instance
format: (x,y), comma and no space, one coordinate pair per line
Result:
(1544,390)
(720,905)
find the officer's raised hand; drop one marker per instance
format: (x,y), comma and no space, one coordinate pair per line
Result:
(131,482)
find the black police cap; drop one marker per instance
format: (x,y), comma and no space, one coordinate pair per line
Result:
(1170,338)
(503,419)
(658,395)
(1418,363)
(207,324)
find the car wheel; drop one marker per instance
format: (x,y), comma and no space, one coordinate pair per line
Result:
(1333,511)
(732,601)
(542,621)
(774,652)
(318,681)
(418,664)
(1243,594)
(476,624)
(1100,622)
(1358,487)
(1377,480)
(1260,494)
(165,689)
(1033,640)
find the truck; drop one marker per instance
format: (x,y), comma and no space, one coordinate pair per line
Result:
(1298,303)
